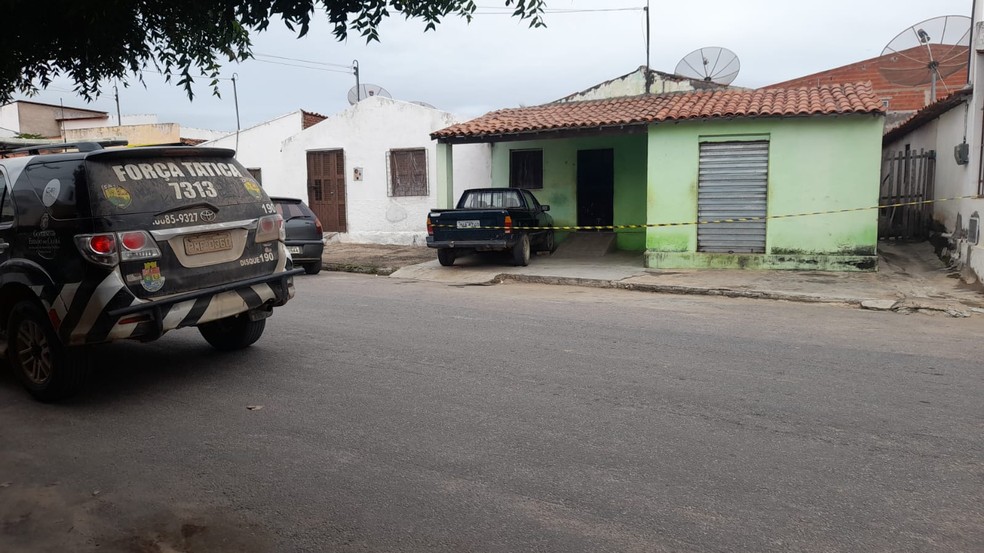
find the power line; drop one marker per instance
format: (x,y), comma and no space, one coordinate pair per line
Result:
(498,10)
(326,69)
(303,61)
(193,76)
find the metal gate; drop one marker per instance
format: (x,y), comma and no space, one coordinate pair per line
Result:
(326,188)
(733,183)
(907,177)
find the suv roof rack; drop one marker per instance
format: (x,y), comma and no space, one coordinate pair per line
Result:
(36,149)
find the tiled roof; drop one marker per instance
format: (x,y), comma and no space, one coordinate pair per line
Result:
(901,97)
(679,106)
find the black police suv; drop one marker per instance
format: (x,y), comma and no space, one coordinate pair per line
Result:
(98,245)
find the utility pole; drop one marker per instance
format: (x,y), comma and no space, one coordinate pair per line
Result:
(358,89)
(116,94)
(235,99)
(649,74)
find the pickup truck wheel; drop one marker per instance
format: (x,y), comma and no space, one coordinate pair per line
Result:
(312,268)
(445,256)
(232,333)
(550,243)
(49,370)
(521,252)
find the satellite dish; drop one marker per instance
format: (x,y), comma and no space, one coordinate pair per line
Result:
(712,64)
(425,104)
(927,52)
(363,91)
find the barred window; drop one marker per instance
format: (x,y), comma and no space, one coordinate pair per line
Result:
(407,172)
(526,168)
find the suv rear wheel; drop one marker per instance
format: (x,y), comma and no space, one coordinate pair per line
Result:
(49,370)
(313,268)
(232,333)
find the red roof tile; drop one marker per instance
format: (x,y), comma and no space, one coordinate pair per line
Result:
(643,110)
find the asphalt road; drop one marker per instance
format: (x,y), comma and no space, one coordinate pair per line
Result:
(384,415)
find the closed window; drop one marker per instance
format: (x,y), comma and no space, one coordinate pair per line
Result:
(408,172)
(257,174)
(526,168)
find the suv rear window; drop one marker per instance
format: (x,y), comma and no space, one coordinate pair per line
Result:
(156,184)
(292,210)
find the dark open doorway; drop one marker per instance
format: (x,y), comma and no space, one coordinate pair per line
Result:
(595,187)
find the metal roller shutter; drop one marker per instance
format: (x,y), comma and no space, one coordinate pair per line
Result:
(733,184)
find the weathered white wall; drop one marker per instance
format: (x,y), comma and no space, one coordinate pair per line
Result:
(136,135)
(952,180)
(260,146)
(632,84)
(9,118)
(201,134)
(971,255)
(366,132)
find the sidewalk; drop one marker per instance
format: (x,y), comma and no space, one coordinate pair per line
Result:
(910,277)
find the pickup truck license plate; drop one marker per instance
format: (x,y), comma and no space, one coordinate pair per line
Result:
(294,249)
(208,243)
(469,224)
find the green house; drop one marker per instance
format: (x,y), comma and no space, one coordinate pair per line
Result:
(729,178)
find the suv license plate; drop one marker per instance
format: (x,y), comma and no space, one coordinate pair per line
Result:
(469,224)
(294,249)
(208,243)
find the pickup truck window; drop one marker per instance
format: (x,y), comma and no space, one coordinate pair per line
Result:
(482,199)
(531,201)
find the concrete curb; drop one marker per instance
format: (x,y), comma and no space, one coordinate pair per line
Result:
(361,269)
(681,290)
(893,306)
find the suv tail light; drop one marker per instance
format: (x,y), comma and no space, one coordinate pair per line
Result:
(108,248)
(98,248)
(508,224)
(138,244)
(430,227)
(269,228)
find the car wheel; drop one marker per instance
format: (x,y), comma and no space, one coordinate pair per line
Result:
(550,243)
(232,333)
(521,252)
(49,370)
(445,256)
(313,268)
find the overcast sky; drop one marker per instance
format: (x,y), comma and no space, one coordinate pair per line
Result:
(497,61)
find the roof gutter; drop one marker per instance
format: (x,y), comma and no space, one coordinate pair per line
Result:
(569,132)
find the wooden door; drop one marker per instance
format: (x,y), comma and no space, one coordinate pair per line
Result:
(326,188)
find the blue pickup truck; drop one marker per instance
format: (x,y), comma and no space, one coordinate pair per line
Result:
(491,219)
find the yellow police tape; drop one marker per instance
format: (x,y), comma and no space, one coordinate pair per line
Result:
(718,221)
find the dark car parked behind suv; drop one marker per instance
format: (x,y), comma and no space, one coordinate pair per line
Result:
(305,237)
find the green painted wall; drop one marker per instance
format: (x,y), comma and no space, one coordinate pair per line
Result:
(815,164)
(560,179)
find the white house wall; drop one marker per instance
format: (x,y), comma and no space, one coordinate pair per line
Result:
(10,118)
(632,84)
(366,132)
(952,180)
(260,147)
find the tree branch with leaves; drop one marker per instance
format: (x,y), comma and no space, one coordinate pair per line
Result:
(95,42)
